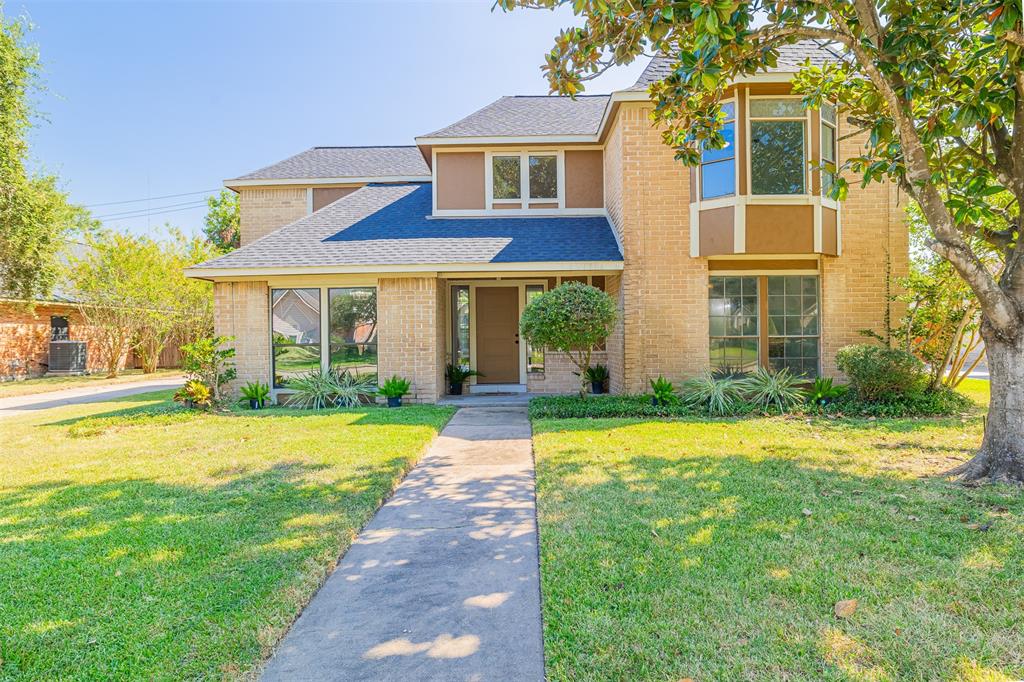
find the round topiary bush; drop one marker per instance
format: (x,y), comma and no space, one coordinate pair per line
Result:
(880,373)
(572,318)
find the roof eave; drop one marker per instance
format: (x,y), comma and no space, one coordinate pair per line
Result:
(506,139)
(340,180)
(391,268)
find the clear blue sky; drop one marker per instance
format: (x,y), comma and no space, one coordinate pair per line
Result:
(147,99)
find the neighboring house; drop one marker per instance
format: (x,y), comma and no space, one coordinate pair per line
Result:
(438,247)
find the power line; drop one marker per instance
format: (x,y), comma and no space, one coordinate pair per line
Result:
(166,196)
(155,211)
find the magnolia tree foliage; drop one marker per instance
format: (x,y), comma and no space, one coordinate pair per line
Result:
(937,85)
(572,318)
(133,291)
(35,215)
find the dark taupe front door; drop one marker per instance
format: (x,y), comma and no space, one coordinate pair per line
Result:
(497,335)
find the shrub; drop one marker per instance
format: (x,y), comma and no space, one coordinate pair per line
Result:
(879,373)
(395,387)
(457,374)
(712,395)
(572,318)
(768,390)
(351,390)
(664,391)
(204,360)
(318,389)
(598,373)
(255,390)
(195,391)
(940,402)
(823,392)
(604,407)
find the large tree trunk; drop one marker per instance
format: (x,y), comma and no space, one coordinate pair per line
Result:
(1001,458)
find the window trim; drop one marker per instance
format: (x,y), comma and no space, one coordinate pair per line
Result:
(735,157)
(826,200)
(806,119)
(522,204)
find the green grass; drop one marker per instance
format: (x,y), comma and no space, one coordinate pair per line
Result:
(10,389)
(676,549)
(139,540)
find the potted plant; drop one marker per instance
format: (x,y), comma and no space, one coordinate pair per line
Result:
(193,393)
(256,393)
(393,389)
(457,375)
(597,375)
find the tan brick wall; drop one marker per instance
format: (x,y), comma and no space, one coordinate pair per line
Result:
(25,339)
(264,209)
(613,287)
(241,310)
(410,314)
(857,285)
(559,374)
(663,290)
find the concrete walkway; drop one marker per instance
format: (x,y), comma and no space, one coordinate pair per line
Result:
(443,583)
(22,404)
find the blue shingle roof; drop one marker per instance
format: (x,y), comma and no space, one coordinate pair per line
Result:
(391,225)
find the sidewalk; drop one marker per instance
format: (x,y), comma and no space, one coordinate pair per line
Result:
(443,583)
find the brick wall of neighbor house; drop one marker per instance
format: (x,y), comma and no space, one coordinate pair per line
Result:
(241,310)
(25,339)
(264,209)
(664,291)
(856,286)
(410,316)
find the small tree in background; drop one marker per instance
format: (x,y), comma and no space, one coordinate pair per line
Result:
(205,361)
(222,221)
(572,319)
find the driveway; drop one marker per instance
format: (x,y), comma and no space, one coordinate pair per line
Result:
(16,405)
(443,583)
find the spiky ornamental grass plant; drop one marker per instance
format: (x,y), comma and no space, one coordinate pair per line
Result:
(768,390)
(718,397)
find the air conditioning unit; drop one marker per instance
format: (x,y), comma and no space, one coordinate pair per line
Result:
(67,357)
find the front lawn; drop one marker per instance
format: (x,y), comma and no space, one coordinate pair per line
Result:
(10,389)
(139,540)
(718,550)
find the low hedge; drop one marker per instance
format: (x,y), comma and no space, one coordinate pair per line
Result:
(939,403)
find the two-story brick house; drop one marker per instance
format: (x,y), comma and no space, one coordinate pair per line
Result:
(398,260)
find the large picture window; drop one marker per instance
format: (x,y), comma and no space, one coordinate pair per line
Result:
(788,338)
(295,324)
(793,316)
(353,330)
(718,166)
(733,324)
(778,150)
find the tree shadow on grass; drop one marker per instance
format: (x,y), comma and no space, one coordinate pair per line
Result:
(137,577)
(728,567)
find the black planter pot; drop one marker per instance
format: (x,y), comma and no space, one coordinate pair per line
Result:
(394,401)
(190,404)
(255,404)
(455,389)
(597,387)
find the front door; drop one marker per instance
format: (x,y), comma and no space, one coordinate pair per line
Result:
(497,335)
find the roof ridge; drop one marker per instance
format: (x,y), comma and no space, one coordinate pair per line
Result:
(364,146)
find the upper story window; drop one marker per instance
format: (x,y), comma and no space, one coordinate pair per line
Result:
(828,146)
(718,166)
(778,149)
(522,179)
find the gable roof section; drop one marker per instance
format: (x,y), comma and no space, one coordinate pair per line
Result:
(388,225)
(791,59)
(346,162)
(529,116)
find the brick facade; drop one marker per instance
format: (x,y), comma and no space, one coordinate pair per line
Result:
(262,210)
(242,310)
(411,336)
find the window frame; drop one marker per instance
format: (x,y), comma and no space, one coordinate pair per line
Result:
(735,158)
(748,126)
(326,333)
(522,204)
(763,332)
(834,125)
(319,344)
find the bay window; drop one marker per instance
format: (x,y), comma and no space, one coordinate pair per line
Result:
(788,336)
(778,150)
(295,328)
(828,147)
(718,166)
